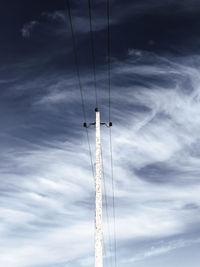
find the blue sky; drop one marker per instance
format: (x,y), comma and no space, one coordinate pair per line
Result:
(47,189)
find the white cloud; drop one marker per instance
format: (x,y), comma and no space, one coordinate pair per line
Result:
(28,28)
(80,23)
(163,248)
(48,209)
(58,15)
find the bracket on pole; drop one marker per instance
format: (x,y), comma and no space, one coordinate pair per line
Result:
(90,124)
(85,125)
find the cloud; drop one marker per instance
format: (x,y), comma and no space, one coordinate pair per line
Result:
(49,198)
(164,248)
(28,28)
(56,23)
(143,7)
(80,21)
(37,203)
(47,24)
(58,15)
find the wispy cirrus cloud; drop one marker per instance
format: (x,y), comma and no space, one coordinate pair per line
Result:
(163,248)
(28,28)
(48,201)
(60,17)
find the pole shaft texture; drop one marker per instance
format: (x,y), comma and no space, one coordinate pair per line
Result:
(98,203)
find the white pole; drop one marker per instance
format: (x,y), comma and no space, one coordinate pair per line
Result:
(98,203)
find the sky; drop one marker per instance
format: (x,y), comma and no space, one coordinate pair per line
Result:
(46,183)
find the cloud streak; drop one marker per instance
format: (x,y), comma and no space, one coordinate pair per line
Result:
(164,248)
(49,201)
(28,28)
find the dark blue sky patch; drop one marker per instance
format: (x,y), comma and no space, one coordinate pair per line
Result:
(191,206)
(160,173)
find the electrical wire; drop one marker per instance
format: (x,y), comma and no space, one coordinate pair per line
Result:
(108,60)
(79,81)
(106,204)
(113,197)
(92,51)
(110,131)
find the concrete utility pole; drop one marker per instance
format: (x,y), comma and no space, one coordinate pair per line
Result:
(98,203)
(98,192)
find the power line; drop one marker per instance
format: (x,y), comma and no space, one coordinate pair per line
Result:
(104,252)
(92,50)
(76,59)
(106,204)
(79,81)
(113,196)
(90,153)
(108,59)
(110,131)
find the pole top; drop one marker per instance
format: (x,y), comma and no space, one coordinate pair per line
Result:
(96,110)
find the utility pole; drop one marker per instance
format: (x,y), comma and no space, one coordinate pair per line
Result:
(98,192)
(98,198)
